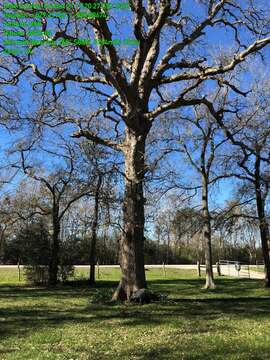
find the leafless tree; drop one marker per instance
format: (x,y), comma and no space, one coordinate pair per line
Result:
(249,160)
(133,88)
(200,141)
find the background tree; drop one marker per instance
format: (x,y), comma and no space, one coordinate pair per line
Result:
(60,188)
(248,160)
(200,142)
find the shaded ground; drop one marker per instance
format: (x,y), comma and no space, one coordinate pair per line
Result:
(231,322)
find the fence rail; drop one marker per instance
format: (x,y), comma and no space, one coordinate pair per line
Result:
(234,268)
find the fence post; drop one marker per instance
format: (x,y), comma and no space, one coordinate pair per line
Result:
(199,268)
(164,270)
(19,271)
(218,269)
(97,270)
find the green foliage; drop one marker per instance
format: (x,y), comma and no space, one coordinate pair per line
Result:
(75,250)
(66,267)
(37,274)
(101,296)
(32,247)
(65,271)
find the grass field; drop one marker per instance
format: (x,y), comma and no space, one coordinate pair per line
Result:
(258,269)
(231,322)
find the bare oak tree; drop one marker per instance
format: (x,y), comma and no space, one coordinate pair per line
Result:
(249,158)
(133,88)
(200,142)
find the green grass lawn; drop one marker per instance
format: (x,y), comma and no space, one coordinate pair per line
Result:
(257,269)
(231,322)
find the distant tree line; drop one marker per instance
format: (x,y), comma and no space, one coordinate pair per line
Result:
(176,240)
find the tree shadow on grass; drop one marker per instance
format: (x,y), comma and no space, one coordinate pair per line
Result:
(194,287)
(27,318)
(194,350)
(68,289)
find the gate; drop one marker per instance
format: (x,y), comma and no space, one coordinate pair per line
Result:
(234,268)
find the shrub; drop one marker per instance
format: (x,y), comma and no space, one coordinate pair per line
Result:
(37,274)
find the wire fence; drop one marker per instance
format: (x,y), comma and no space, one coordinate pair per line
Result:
(235,268)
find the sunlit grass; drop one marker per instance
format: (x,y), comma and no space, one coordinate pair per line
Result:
(258,269)
(231,322)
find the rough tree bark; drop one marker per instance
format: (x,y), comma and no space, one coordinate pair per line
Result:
(264,229)
(92,256)
(132,241)
(206,231)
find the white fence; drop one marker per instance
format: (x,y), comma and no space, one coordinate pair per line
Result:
(234,268)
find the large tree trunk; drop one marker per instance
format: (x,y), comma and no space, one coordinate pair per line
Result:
(264,229)
(132,240)
(54,259)
(94,234)
(206,231)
